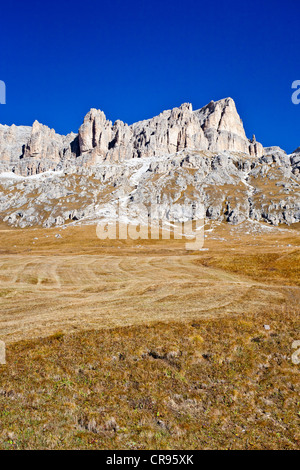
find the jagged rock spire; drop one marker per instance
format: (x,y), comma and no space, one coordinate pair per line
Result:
(215,127)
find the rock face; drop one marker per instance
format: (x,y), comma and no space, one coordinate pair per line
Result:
(44,150)
(12,142)
(232,187)
(200,156)
(33,150)
(216,127)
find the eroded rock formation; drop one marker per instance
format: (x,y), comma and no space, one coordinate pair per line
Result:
(216,127)
(200,156)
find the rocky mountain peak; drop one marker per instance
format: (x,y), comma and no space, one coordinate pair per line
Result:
(202,155)
(215,127)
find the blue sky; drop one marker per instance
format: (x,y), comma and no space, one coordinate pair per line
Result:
(133,59)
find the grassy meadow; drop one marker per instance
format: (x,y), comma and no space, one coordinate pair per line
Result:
(144,345)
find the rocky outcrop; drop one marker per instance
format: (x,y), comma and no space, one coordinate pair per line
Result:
(33,150)
(200,156)
(224,129)
(45,150)
(232,188)
(12,143)
(216,127)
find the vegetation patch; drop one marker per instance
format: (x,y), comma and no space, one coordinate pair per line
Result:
(224,383)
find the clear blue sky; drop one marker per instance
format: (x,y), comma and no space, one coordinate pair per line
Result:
(133,59)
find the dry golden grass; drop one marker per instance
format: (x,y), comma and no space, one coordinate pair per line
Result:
(79,282)
(190,385)
(152,346)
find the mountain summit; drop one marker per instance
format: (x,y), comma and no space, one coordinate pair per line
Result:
(216,127)
(200,156)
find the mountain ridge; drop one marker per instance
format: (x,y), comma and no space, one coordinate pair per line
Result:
(201,156)
(215,127)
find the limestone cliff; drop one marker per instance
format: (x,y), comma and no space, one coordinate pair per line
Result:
(216,127)
(197,156)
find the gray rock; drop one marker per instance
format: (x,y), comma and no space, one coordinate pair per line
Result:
(198,156)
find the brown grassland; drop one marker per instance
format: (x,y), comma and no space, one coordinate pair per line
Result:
(145,345)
